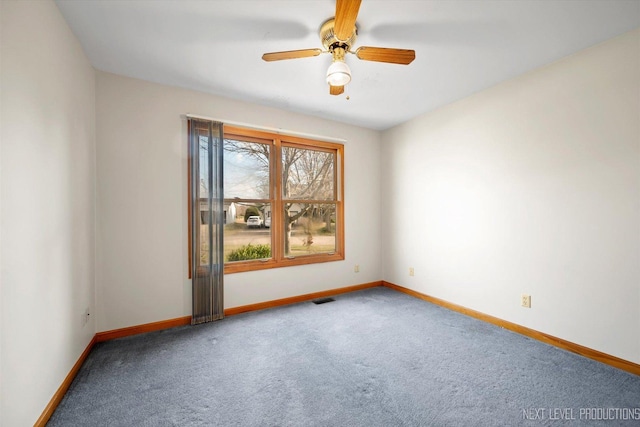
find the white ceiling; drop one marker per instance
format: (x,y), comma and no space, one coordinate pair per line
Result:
(461,47)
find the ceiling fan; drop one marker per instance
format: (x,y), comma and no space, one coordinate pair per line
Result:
(338,34)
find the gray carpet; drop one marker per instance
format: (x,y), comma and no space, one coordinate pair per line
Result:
(370,358)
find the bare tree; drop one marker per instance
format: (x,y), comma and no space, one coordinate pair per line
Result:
(257,178)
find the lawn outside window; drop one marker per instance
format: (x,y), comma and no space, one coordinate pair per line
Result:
(295,187)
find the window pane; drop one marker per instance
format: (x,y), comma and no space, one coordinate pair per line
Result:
(203,255)
(247,231)
(307,174)
(309,228)
(246,170)
(204,244)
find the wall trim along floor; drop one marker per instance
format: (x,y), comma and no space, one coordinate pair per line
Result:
(66,383)
(186,320)
(141,329)
(299,298)
(608,359)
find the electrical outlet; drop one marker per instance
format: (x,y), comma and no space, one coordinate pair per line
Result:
(411,271)
(85,316)
(356,268)
(526,301)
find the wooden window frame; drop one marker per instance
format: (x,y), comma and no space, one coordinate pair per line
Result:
(278,258)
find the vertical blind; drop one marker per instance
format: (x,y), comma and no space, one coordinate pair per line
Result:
(207,219)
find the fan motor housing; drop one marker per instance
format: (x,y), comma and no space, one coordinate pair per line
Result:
(329,39)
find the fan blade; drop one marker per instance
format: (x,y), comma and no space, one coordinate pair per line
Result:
(346,15)
(383,54)
(336,90)
(291,54)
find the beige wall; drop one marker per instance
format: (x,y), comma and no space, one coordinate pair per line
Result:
(48,198)
(142,266)
(532,186)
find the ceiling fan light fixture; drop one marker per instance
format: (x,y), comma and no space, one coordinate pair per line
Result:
(338,35)
(338,74)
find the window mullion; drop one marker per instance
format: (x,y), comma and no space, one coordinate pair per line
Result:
(277,221)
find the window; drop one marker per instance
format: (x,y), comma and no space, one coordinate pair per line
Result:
(283,200)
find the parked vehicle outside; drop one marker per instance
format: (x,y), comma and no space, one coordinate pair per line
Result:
(267,222)
(254,221)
